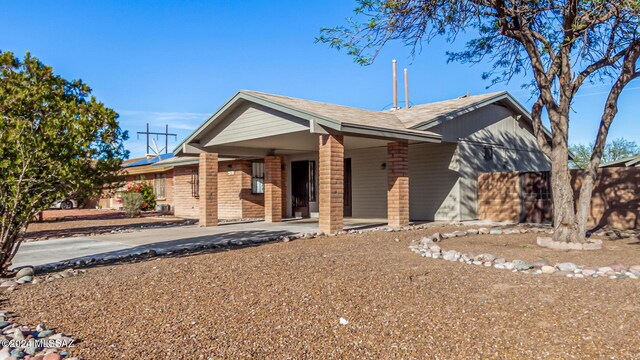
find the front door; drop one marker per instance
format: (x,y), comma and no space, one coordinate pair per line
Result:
(347,188)
(300,188)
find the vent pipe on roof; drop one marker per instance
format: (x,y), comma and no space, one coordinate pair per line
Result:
(406,88)
(395,85)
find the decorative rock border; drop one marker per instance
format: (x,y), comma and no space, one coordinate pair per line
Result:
(427,247)
(26,275)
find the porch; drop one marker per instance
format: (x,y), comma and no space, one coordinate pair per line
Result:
(305,165)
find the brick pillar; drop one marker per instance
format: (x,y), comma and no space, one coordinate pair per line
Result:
(208,173)
(331,183)
(398,183)
(272,189)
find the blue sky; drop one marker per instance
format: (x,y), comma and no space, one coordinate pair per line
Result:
(176,62)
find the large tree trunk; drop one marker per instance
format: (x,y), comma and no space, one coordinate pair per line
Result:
(583,206)
(565,222)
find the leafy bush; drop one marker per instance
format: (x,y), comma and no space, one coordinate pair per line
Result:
(146,191)
(132,202)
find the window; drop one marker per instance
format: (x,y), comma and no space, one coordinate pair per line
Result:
(159,186)
(257,178)
(195,182)
(312,181)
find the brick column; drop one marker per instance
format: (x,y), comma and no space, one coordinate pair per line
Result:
(398,183)
(331,183)
(272,189)
(208,173)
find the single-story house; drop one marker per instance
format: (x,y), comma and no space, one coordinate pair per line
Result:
(271,156)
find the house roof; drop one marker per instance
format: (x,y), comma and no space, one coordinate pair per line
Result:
(630,161)
(338,113)
(420,115)
(412,123)
(145,160)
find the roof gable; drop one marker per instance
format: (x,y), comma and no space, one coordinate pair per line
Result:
(428,115)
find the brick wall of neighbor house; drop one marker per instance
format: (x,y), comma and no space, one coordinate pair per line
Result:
(114,201)
(150,179)
(235,198)
(615,201)
(185,204)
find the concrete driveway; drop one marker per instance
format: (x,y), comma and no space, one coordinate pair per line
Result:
(164,239)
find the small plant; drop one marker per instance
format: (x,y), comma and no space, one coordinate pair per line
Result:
(132,203)
(146,191)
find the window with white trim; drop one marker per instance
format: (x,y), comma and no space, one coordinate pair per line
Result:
(257,177)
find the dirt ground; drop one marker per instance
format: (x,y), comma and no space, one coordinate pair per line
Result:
(64,223)
(524,247)
(285,300)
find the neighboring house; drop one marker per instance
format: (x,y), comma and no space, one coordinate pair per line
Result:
(294,157)
(140,169)
(631,161)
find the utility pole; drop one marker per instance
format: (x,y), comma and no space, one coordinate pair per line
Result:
(166,135)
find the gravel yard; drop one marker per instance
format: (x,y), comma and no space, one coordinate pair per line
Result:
(285,300)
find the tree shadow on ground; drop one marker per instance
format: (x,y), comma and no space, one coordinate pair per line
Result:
(104,229)
(183,247)
(174,248)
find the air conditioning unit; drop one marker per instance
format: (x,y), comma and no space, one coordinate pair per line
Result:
(163,208)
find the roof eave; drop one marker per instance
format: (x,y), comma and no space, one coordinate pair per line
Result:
(390,133)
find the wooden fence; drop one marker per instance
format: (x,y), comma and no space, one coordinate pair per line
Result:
(526,197)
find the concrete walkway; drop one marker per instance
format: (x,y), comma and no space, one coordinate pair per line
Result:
(164,239)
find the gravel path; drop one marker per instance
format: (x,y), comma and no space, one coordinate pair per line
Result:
(285,300)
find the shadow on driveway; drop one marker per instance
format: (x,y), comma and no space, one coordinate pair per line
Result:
(172,248)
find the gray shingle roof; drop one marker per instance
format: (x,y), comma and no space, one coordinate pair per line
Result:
(420,115)
(399,119)
(412,123)
(339,113)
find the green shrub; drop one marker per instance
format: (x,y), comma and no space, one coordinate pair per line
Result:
(132,203)
(146,191)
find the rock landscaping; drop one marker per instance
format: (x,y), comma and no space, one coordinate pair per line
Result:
(285,300)
(26,275)
(432,246)
(427,247)
(31,342)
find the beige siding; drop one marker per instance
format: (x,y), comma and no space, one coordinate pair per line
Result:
(369,182)
(513,143)
(252,122)
(433,185)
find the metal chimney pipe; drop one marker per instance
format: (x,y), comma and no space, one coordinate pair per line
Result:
(395,85)
(406,88)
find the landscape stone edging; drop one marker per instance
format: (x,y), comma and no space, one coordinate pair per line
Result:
(427,248)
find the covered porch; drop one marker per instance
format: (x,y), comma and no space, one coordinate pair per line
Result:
(305,165)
